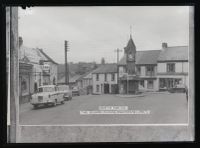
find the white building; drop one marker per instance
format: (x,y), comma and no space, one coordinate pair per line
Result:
(173,66)
(85,83)
(160,69)
(104,79)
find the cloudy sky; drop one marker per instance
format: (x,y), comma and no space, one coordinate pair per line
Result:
(95,32)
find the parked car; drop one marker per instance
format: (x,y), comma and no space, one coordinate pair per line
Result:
(75,91)
(66,91)
(180,88)
(47,95)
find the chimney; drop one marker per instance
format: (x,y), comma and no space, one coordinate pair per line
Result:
(164,45)
(20,41)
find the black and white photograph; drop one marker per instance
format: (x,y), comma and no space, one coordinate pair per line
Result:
(103,66)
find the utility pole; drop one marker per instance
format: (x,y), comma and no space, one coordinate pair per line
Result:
(66,64)
(118,50)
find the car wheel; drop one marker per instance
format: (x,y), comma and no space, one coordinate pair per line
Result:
(35,106)
(63,102)
(55,103)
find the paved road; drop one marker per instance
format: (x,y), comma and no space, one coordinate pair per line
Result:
(164,108)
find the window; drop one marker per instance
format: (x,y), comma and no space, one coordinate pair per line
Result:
(149,70)
(105,77)
(171,67)
(139,70)
(142,83)
(162,83)
(24,85)
(97,88)
(150,84)
(97,77)
(113,77)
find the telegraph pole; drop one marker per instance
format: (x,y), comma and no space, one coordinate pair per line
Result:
(118,50)
(66,65)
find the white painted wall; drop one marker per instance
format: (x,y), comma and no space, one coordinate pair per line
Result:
(143,69)
(102,81)
(179,67)
(53,72)
(185,67)
(161,67)
(121,71)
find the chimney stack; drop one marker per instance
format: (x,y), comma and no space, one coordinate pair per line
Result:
(20,41)
(164,45)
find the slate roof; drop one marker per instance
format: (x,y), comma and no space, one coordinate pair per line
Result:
(50,59)
(175,53)
(34,54)
(87,75)
(72,79)
(106,68)
(143,57)
(130,44)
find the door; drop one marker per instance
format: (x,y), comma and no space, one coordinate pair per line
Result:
(106,88)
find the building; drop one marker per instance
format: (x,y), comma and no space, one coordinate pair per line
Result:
(72,80)
(173,66)
(26,81)
(146,69)
(128,80)
(159,69)
(36,69)
(104,79)
(85,83)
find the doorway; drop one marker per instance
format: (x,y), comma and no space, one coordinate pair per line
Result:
(106,88)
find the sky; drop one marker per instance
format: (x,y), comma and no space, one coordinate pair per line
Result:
(95,32)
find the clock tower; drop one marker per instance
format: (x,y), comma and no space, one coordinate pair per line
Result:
(130,52)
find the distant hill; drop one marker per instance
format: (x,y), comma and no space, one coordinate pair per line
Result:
(76,68)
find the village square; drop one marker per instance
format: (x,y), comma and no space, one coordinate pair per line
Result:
(139,87)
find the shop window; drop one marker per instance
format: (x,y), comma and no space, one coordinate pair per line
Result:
(142,83)
(23,85)
(150,84)
(162,83)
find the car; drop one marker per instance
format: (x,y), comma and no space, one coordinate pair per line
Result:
(75,91)
(179,88)
(47,95)
(66,91)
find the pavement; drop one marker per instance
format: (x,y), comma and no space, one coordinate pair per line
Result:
(165,108)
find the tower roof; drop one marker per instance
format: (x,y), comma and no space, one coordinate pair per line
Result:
(130,44)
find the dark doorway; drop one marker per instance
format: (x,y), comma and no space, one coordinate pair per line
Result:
(114,88)
(54,81)
(106,88)
(35,87)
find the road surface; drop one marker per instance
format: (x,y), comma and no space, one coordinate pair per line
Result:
(165,108)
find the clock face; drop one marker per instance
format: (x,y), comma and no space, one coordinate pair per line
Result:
(130,57)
